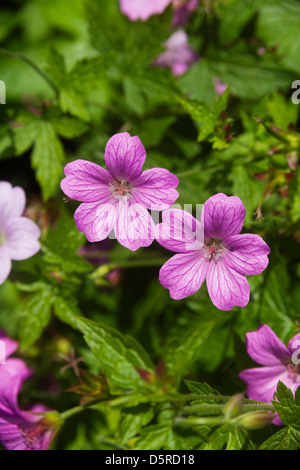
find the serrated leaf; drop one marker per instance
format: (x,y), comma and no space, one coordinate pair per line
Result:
(238,439)
(47,158)
(61,245)
(66,310)
(118,356)
(180,357)
(285,439)
(288,406)
(134,419)
(69,127)
(36,314)
(283,34)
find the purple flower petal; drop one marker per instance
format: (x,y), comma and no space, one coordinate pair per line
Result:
(143,9)
(96,220)
(183,11)
(134,226)
(13,200)
(124,156)
(86,182)
(179,231)
(10,345)
(12,375)
(264,347)
(247,253)
(262,381)
(155,189)
(10,436)
(183,274)
(178,55)
(223,216)
(226,287)
(22,238)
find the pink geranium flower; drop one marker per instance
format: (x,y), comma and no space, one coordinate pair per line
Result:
(212,249)
(118,198)
(20,430)
(182,11)
(220,87)
(179,55)
(143,9)
(18,235)
(281,364)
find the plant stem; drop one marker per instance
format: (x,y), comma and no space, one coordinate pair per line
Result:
(66,414)
(17,55)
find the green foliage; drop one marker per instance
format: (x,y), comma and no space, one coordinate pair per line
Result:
(119,357)
(152,373)
(288,408)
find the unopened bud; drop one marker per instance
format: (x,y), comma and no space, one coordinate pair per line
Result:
(256,419)
(50,419)
(234,406)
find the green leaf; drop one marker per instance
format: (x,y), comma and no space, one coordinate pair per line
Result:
(68,127)
(61,245)
(134,418)
(209,117)
(180,357)
(246,188)
(66,310)
(249,77)
(283,34)
(285,439)
(288,406)
(202,388)
(158,437)
(119,356)
(70,99)
(71,102)
(233,17)
(47,158)
(238,439)
(36,313)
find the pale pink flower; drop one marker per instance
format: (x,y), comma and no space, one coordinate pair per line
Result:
(183,10)
(18,235)
(143,9)
(179,55)
(220,87)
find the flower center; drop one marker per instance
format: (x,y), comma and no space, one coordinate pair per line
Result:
(214,250)
(31,433)
(2,238)
(294,372)
(121,188)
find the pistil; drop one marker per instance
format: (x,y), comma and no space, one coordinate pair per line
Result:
(214,250)
(122,189)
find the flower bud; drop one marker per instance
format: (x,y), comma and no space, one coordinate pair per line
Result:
(256,419)
(234,406)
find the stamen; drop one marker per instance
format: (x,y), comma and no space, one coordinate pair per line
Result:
(214,250)
(31,433)
(122,189)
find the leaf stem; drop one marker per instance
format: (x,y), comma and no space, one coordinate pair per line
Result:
(17,55)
